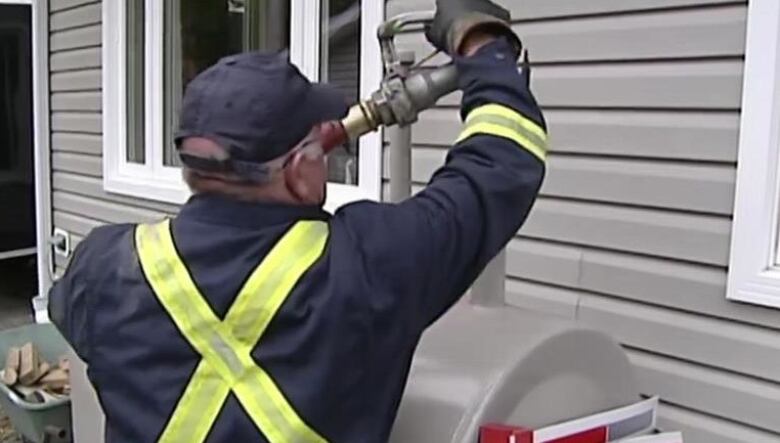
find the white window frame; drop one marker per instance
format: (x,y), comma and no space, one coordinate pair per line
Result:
(152,180)
(754,273)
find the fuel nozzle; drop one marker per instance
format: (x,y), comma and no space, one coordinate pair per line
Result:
(399,101)
(405,92)
(360,120)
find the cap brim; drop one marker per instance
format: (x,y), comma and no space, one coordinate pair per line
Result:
(328,102)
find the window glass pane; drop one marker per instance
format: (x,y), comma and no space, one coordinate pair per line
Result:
(135,81)
(17,199)
(200,32)
(340,61)
(10,118)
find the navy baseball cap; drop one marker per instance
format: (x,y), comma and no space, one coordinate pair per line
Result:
(257,106)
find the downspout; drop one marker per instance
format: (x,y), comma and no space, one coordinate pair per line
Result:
(42,158)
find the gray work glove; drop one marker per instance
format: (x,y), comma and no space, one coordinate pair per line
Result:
(456,18)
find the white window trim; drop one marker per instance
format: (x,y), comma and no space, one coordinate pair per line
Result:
(151,180)
(754,275)
(154,181)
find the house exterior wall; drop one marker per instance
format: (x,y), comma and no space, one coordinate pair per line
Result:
(631,234)
(78,200)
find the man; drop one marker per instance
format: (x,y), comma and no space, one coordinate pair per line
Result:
(256,316)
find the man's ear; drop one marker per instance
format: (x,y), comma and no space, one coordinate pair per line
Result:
(305,176)
(292,177)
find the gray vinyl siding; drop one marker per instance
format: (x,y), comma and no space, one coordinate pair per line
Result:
(631,232)
(344,68)
(79,202)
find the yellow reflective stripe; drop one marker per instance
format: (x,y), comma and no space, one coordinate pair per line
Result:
(249,317)
(532,137)
(226,346)
(198,408)
(504,132)
(175,289)
(279,421)
(505,122)
(504,111)
(275,278)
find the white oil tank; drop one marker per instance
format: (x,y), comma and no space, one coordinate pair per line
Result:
(478,365)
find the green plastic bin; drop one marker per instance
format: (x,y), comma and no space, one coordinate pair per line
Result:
(38,423)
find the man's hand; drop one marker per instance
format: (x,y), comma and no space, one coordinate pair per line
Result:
(460,25)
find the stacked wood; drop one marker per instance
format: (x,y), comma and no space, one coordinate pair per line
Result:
(30,365)
(32,377)
(12,363)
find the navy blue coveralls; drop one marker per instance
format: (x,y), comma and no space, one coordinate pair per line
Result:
(341,345)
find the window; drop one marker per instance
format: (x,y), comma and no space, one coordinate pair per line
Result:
(154,48)
(10,134)
(754,274)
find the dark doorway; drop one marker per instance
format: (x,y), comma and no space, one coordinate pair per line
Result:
(18,282)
